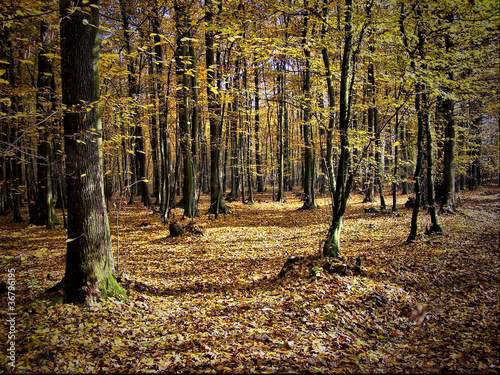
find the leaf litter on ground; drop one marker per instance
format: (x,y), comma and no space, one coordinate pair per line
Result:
(214,303)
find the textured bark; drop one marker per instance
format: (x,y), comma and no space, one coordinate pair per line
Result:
(89,262)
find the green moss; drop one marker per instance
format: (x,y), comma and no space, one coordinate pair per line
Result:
(109,287)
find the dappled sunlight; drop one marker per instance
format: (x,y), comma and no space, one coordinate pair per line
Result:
(214,301)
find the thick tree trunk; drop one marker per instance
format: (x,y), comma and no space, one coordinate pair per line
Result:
(89,262)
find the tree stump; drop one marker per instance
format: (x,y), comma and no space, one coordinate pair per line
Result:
(175,229)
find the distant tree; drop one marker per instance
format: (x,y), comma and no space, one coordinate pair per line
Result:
(307,126)
(217,202)
(42,212)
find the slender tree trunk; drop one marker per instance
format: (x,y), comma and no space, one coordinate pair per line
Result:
(331,106)
(331,248)
(281,106)
(248,140)
(138,165)
(217,203)
(89,261)
(258,155)
(435,226)
(196,123)
(448,115)
(395,173)
(418,167)
(307,128)
(165,185)
(184,71)
(43,212)
(7,55)
(373,124)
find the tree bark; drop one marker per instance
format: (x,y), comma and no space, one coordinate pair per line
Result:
(331,106)
(44,213)
(417,176)
(331,248)
(89,262)
(373,124)
(307,128)
(447,114)
(184,70)
(258,154)
(435,225)
(217,202)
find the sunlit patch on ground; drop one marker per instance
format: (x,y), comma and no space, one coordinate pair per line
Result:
(213,303)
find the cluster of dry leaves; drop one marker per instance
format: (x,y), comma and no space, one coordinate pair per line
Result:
(214,302)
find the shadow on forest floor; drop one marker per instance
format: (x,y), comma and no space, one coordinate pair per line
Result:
(214,303)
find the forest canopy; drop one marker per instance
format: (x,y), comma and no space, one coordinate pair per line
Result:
(253,87)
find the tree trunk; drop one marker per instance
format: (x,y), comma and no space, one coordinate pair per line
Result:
(331,248)
(448,116)
(44,213)
(418,166)
(248,135)
(373,124)
(139,164)
(435,226)
(217,203)
(258,155)
(307,128)
(281,106)
(331,106)
(89,262)
(184,70)
(395,172)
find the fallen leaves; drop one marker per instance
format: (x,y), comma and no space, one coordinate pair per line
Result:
(214,304)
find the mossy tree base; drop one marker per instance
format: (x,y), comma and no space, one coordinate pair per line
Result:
(331,248)
(78,290)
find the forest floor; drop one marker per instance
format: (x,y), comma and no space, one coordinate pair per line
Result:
(214,302)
